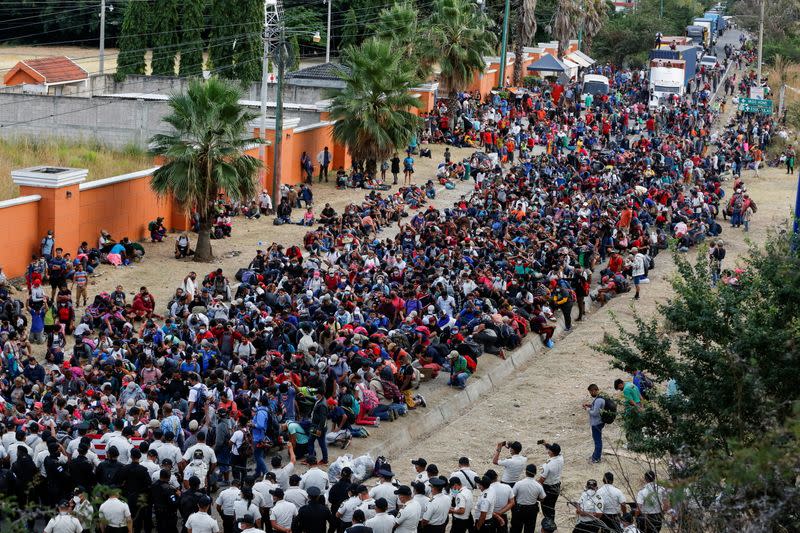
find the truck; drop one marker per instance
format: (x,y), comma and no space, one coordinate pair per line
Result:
(677,40)
(710,36)
(671,73)
(718,20)
(595,85)
(697,34)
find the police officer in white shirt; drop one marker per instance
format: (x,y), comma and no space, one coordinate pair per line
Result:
(514,465)
(115,514)
(294,494)
(434,519)
(465,474)
(123,445)
(589,509)
(348,507)
(550,478)
(282,473)
(527,494)
(462,506)
(503,496)
(651,503)
(225,501)
(629,523)
(613,503)
(209,457)
(261,490)
(63,522)
(382,522)
(385,490)
(407,519)
(168,450)
(201,521)
(247,524)
(484,508)
(315,477)
(282,512)
(420,474)
(420,495)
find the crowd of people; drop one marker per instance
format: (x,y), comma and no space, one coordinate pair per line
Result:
(176,408)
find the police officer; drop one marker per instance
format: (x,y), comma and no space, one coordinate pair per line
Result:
(550,478)
(63,522)
(434,520)
(527,494)
(484,508)
(165,503)
(313,516)
(136,485)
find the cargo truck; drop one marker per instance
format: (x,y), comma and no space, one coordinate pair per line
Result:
(719,22)
(671,73)
(710,37)
(697,34)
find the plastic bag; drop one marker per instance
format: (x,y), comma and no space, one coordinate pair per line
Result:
(335,469)
(363,466)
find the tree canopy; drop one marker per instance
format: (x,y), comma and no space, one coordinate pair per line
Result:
(731,353)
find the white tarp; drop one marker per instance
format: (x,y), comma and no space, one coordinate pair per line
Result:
(580,59)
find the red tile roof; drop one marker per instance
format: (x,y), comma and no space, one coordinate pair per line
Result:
(58,69)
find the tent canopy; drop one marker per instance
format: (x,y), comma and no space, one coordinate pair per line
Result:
(580,59)
(548,63)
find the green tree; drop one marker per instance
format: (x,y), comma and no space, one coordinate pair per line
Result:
(192,45)
(566,22)
(165,18)
(350,31)
(133,42)
(733,352)
(205,154)
(523,36)
(401,25)
(372,111)
(248,46)
(595,15)
(302,22)
(460,37)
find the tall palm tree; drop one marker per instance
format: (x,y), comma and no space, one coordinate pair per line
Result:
(401,25)
(526,30)
(566,21)
(460,36)
(595,15)
(205,154)
(372,111)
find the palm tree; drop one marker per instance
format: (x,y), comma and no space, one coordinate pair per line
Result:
(595,15)
(566,21)
(205,155)
(372,111)
(401,25)
(460,38)
(526,30)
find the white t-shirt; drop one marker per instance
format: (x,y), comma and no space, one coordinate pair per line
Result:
(513,466)
(407,519)
(463,499)
(201,522)
(283,513)
(551,470)
(528,491)
(386,491)
(63,523)
(612,499)
(283,474)
(381,523)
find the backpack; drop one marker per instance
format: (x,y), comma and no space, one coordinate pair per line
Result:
(391,391)
(609,413)
(152,226)
(200,401)
(246,448)
(369,400)
(472,364)
(381,464)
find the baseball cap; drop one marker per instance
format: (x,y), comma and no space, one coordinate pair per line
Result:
(420,462)
(313,491)
(403,490)
(555,448)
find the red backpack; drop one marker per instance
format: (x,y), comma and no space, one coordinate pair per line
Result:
(472,364)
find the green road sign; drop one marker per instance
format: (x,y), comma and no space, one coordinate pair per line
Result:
(753,105)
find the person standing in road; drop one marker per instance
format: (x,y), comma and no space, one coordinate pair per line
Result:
(550,478)
(313,516)
(201,521)
(395,161)
(527,494)
(407,519)
(638,270)
(63,522)
(465,474)
(438,510)
(514,465)
(115,515)
(408,169)
(613,503)
(589,510)
(382,522)
(595,408)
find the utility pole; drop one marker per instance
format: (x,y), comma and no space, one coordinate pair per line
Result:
(505,44)
(328,36)
(102,36)
(270,27)
(760,40)
(276,170)
(661,10)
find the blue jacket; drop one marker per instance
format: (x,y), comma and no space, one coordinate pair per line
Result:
(260,424)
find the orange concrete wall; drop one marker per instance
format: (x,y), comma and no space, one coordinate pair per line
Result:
(426,100)
(58,211)
(19,228)
(123,209)
(312,141)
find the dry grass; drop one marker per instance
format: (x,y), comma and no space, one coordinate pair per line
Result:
(101,161)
